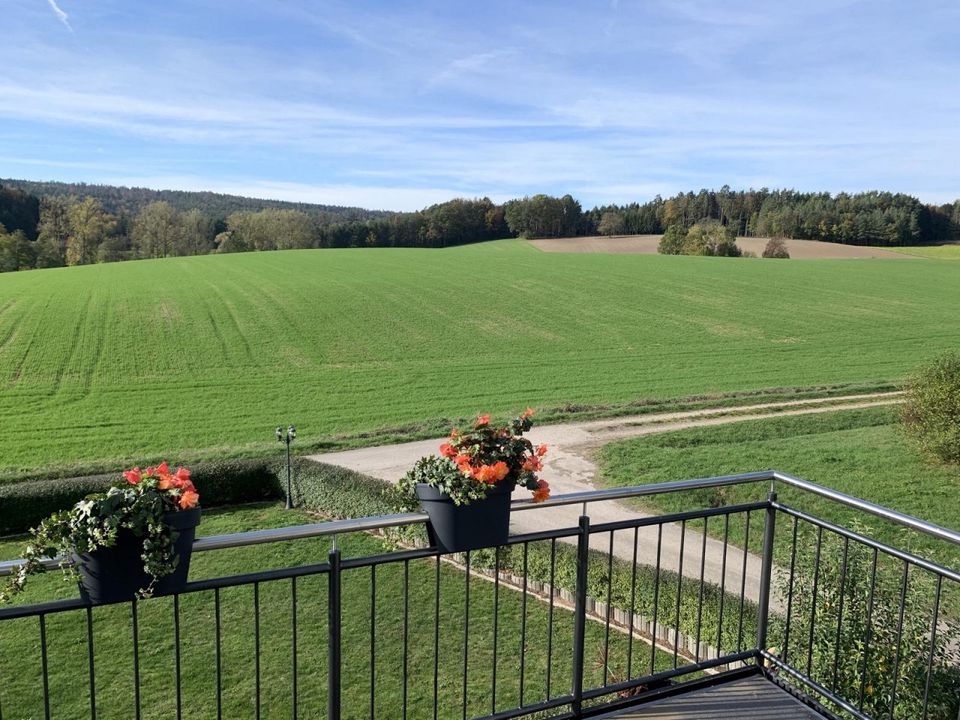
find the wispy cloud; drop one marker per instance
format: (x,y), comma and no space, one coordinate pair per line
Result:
(61,15)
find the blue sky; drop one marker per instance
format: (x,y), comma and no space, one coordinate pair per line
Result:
(398,105)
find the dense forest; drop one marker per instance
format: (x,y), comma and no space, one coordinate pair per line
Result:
(128,201)
(55,224)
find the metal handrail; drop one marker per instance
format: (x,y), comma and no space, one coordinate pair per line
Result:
(378,522)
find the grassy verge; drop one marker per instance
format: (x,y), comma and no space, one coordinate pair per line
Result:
(20,663)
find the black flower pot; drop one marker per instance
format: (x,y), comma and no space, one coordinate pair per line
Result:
(457,528)
(115,574)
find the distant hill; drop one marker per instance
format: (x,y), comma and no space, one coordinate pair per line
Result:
(121,200)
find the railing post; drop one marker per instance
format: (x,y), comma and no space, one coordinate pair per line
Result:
(333,637)
(766,570)
(580,613)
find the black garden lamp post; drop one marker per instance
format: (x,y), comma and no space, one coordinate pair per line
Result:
(290,437)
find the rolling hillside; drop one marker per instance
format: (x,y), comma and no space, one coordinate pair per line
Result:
(142,359)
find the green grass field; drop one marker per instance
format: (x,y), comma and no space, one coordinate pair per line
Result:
(203,356)
(20,663)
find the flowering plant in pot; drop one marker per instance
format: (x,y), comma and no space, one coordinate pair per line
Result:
(133,540)
(466,489)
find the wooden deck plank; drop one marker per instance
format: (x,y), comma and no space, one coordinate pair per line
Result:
(752,698)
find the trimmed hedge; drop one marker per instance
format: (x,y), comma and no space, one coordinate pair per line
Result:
(230,482)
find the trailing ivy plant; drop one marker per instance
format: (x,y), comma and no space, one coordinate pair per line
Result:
(137,506)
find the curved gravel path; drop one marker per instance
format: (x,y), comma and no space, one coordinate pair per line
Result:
(570,467)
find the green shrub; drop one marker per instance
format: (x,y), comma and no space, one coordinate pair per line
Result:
(672,241)
(336,491)
(931,413)
(776,247)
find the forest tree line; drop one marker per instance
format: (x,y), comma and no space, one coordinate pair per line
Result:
(57,230)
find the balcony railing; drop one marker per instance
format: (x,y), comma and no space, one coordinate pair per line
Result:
(561,622)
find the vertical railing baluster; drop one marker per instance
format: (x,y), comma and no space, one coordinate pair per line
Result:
(496,614)
(333,634)
(295,689)
(553,592)
(743,581)
(843,583)
(866,642)
(219,670)
(793,565)
(633,599)
(606,636)
(523,621)
(44,666)
(933,645)
(656,600)
(373,640)
(580,613)
(406,633)
(256,649)
(813,600)
(723,581)
(896,663)
(136,659)
(676,619)
(90,663)
(436,641)
(466,631)
(176,655)
(766,569)
(703,567)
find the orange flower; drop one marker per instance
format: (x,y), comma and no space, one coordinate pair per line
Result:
(542,492)
(483,420)
(492,474)
(133,476)
(166,482)
(189,499)
(182,474)
(527,413)
(448,450)
(541,450)
(532,463)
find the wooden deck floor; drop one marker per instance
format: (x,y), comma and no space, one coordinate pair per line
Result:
(752,698)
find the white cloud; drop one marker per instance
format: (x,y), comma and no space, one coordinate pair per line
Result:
(61,15)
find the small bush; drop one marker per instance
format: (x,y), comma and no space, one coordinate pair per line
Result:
(776,248)
(931,413)
(672,241)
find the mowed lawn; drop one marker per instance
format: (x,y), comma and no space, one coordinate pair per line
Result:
(21,662)
(204,356)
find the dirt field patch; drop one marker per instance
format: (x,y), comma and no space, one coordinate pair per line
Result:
(799,249)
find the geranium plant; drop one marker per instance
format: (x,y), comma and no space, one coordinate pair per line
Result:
(474,461)
(138,505)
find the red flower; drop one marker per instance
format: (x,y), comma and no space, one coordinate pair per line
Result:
(527,413)
(483,420)
(532,463)
(163,468)
(541,450)
(133,476)
(448,450)
(182,474)
(542,492)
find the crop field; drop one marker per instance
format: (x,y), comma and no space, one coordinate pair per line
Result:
(204,356)
(938,252)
